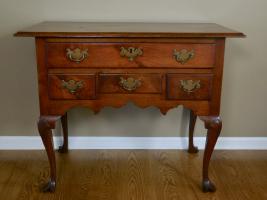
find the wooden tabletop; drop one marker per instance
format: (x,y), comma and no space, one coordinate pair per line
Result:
(127,29)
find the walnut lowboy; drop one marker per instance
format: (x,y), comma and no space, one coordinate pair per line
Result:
(109,64)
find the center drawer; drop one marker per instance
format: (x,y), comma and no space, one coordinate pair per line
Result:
(130,83)
(130,55)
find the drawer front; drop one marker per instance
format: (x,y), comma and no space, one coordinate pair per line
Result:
(189,86)
(130,55)
(71,86)
(130,83)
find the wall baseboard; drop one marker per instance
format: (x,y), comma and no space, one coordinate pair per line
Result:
(34,142)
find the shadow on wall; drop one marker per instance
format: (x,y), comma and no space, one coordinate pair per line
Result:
(18,80)
(128,121)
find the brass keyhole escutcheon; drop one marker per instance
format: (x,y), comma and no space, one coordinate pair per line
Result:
(131,53)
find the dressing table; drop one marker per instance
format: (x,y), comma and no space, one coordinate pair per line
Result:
(95,65)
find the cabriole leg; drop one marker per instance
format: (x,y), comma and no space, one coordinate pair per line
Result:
(214,125)
(64,123)
(45,126)
(192,122)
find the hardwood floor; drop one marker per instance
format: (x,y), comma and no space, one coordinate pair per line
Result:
(133,175)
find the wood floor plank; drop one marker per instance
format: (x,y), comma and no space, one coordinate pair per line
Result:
(133,175)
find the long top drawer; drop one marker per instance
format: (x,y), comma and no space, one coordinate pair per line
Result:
(130,55)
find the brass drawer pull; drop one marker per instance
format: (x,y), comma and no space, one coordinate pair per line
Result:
(72,86)
(77,55)
(130,84)
(183,55)
(131,53)
(190,85)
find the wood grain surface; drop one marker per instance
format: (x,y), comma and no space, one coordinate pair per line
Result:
(127,29)
(86,91)
(149,83)
(176,91)
(133,175)
(107,55)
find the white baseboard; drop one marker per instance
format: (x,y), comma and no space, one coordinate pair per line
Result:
(34,142)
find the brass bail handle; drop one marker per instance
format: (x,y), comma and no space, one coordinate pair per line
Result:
(130,84)
(77,55)
(190,86)
(72,86)
(183,55)
(131,52)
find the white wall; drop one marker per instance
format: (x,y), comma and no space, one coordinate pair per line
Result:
(244,99)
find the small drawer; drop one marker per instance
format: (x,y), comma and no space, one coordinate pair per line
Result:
(189,86)
(130,83)
(71,86)
(130,55)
